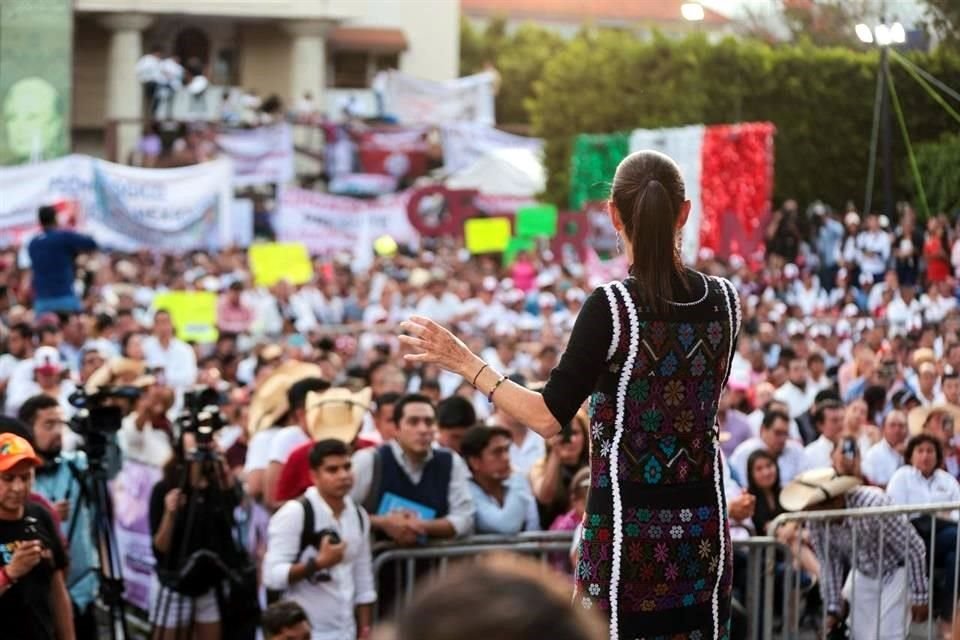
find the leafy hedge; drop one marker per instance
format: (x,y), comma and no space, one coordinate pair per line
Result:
(939,164)
(820,100)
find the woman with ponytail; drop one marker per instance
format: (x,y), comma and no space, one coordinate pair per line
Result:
(653,352)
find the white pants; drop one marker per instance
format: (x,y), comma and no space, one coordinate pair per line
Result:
(893,606)
(171,610)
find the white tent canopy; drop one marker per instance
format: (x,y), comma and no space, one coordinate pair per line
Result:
(503,172)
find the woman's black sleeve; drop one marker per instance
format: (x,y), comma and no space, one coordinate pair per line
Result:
(583,362)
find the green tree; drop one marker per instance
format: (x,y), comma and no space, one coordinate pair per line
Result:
(945,18)
(940,169)
(820,99)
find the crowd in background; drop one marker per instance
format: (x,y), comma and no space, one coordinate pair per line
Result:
(849,358)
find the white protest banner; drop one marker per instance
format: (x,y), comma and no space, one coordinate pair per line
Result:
(173,210)
(466,142)
(131,491)
(415,100)
(126,208)
(263,155)
(25,188)
(326,223)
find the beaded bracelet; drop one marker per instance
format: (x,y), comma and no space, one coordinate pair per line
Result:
(495,387)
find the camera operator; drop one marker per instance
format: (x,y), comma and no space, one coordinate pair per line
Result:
(326,567)
(34,604)
(60,480)
(191,510)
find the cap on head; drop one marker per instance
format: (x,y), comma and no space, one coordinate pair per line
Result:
(14,450)
(46,360)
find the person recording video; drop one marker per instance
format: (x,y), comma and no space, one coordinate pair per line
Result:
(191,521)
(60,479)
(34,603)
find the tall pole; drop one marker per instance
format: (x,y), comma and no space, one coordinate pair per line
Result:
(886,136)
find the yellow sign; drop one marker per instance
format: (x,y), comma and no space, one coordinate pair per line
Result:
(272,262)
(194,314)
(487,235)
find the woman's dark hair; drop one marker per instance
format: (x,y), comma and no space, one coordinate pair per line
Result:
(761,454)
(125,342)
(923,438)
(648,192)
(763,512)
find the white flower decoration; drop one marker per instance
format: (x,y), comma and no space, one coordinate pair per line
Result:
(686,515)
(605,448)
(676,532)
(594,589)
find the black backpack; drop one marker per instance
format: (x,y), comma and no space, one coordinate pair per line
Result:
(306,539)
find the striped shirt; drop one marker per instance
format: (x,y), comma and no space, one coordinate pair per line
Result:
(902,546)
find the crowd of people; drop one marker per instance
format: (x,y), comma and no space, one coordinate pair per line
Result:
(846,379)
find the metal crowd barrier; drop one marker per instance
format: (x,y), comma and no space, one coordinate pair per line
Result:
(842,518)
(762,554)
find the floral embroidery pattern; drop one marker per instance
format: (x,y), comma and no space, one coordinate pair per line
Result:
(671,557)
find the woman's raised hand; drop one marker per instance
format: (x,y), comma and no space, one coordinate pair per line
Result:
(436,345)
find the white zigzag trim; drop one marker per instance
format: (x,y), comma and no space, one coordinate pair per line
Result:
(615,458)
(717,479)
(615,339)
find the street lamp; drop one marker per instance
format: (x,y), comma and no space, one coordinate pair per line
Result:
(883,36)
(692,11)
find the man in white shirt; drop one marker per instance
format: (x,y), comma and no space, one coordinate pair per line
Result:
(796,391)
(290,437)
(19,349)
(949,387)
(886,456)
(775,438)
(926,383)
(330,576)
(174,356)
(828,419)
(874,246)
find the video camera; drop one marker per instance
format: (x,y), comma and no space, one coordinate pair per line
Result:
(201,416)
(97,413)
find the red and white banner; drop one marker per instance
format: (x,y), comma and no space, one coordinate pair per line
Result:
(328,224)
(263,155)
(728,173)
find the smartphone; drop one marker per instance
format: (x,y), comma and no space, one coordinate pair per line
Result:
(849,448)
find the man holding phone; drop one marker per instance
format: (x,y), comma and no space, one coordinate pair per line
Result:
(34,603)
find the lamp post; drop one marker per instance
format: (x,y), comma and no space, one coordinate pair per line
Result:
(883,36)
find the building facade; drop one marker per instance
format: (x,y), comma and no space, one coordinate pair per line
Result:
(282,47)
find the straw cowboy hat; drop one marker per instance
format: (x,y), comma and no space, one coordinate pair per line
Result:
(812,487)
(337,413)
(124,372)
(918,416)
(269,402)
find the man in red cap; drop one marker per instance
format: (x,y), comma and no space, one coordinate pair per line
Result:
(33,595)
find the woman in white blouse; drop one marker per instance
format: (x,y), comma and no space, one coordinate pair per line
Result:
(923,481)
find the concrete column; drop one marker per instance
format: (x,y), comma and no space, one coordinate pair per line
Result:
(308,59)
(124,93)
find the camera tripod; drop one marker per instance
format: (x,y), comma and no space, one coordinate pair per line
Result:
(200,480)
(96,496)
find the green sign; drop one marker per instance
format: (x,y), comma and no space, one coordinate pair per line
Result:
(515,247)
(36,41)
(537,221)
